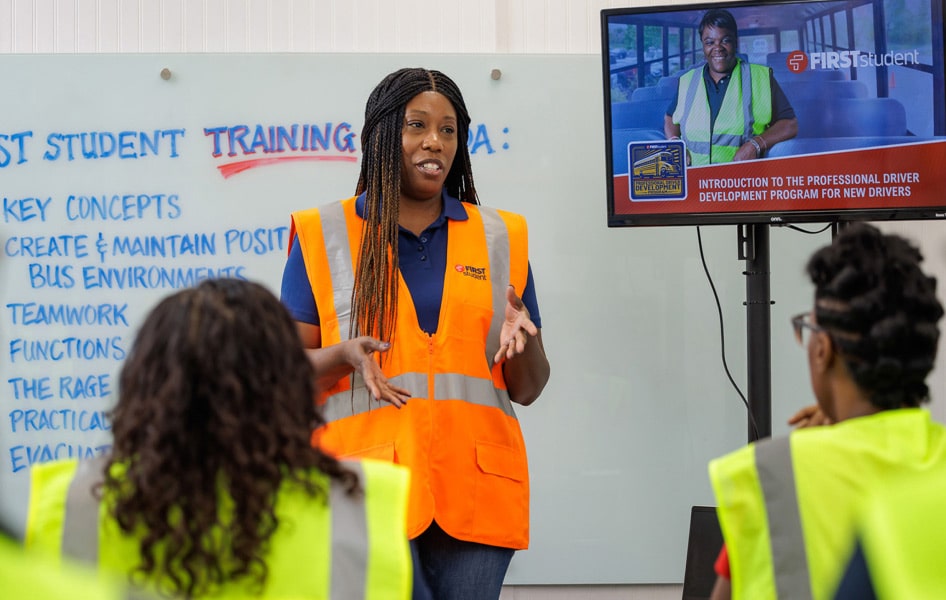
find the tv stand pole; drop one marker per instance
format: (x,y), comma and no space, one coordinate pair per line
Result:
(754,249)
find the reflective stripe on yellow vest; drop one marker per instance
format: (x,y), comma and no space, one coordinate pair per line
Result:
(787,505)
(746,111)
(368,555)
(458,433)
(773,461)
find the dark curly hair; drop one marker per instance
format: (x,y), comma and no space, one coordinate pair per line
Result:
(881,312)
(216,406)
(374,297)
(719,18)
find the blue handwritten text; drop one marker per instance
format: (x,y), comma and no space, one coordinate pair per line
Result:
(22,457)
(106,144)
(122,207)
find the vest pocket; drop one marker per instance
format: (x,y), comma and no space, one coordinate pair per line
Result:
(500,498)
(383,452)
(504,461)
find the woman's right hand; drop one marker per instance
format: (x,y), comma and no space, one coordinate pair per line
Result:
(359,353)
(810,416)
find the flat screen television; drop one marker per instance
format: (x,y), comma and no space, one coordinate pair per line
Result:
(808,112)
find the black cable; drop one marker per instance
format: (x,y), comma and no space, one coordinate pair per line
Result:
(808,231)
(722,336)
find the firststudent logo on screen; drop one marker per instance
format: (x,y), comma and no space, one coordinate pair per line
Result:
(798,61)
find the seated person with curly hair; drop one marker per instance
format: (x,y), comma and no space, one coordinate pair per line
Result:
(212,487)
(787,505)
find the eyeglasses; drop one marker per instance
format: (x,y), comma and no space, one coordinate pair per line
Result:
(800,323)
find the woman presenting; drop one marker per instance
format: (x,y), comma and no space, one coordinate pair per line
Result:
(420,312)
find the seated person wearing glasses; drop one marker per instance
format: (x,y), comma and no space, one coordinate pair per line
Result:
(787,505)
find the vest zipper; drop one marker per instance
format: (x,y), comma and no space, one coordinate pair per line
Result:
(430,366)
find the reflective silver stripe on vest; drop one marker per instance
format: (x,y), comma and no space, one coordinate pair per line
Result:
(692,89)
(773,459)
(727,139)
(474,390)
(349,525)
(699,147)
(357,400)
(447,386)
(497,244)
(341,269)
(349,539)
(747,115)
(80,526)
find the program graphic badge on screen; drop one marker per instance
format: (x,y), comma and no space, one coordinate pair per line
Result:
(657,171)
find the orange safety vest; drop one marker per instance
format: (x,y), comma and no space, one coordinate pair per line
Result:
(458,433)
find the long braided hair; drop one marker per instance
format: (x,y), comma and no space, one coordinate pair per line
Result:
(374,296)
(216,409)
(881,311)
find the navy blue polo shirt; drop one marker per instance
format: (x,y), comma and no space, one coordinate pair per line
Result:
(716,91)
(423,263)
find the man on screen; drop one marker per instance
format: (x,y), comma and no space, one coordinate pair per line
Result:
(727,109)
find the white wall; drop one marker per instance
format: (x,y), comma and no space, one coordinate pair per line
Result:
(369,26)
(467,26)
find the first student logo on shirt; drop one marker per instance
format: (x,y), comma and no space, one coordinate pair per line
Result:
(474,272)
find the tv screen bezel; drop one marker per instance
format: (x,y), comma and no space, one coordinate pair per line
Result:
(656,219)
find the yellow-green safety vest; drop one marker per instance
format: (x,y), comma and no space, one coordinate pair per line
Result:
(345,548)
(787,505)
(30,575)
(746,111)
(902,533)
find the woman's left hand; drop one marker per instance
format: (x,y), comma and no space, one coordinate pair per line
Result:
(517,327)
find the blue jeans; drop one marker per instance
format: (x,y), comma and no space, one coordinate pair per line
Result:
(452,569)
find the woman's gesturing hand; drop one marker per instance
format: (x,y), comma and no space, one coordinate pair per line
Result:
(361,357)
(516,329)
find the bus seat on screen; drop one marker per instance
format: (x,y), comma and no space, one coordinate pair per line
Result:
(812,117)
(777,60)
(797,146)
(620,138)
(850,116)
(669,80)
(868,117)
(646,114)
(806,91)
(654,92)
(783,75)
(844,88)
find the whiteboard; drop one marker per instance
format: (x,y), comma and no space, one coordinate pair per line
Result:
(120,185)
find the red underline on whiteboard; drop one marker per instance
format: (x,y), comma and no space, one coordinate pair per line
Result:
(231,169)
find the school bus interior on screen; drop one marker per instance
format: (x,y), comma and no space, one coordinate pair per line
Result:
(857,72)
